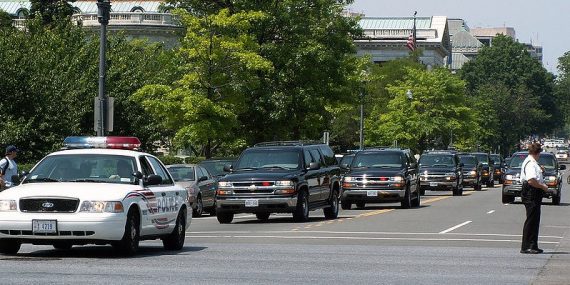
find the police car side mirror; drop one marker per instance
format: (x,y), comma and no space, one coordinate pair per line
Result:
(138,175)
(228,167)
(562,167)
(153,179)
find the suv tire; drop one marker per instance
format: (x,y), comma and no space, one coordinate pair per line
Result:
(225,217)
(9,247)
(175,240)
(301,213)
(491,183)
(416,202)
(346,204)
(506,199)
(360,205)
(62,246)
(331,212)
(262,216)
(407,202)
(478,187)
(556,199)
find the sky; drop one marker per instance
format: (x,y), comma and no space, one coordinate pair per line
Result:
(543,22)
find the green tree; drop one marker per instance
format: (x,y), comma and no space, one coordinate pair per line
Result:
(562,92)
(220,61)
(50,11)
(5,19)
(437,111)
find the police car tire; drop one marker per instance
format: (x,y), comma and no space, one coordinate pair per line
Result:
(9,247)
(129,244)
(225,218)
(175,240)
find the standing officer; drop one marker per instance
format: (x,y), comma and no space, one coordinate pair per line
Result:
(8,167)
(531,194)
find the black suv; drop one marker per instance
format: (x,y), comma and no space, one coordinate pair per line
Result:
(280,177)
(441,170)
(498,167)
(381,175)
(488,168)
(472,171)
(552,177)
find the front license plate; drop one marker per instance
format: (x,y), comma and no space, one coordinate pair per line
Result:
(251,203)
(44,226)
(371,193)
(433,184)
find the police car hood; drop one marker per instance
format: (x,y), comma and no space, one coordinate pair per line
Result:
(269,174)
(81,190)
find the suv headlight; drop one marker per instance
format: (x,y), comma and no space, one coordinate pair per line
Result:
(349,179)
(7,205)
(101,207)
(284,183)
(397,178)
(550,178)
(224,184)
(473,173)
(510,177)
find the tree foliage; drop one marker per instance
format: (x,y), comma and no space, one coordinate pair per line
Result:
(51,11)
(5,20)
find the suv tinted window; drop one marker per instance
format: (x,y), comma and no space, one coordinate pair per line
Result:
(328,155)
(317,156)
(437,160)
(379,159)
(268,158)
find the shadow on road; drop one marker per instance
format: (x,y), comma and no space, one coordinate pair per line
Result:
(98,252)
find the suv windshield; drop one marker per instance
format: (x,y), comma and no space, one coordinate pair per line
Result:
(436,160)
(378,159)
(84,168)
(496,159)
(483,158)
(347,159)
(268,158)
(545,160)
(468,160)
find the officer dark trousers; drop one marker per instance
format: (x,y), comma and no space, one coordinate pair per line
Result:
(530,230)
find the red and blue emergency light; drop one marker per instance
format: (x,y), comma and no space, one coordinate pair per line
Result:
(131,143)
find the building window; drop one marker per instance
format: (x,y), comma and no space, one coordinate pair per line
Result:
(137,10)
(22,13)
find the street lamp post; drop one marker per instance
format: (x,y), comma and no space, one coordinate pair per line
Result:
(104,8)
(361,144)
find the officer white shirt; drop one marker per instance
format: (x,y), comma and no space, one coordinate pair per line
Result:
(530,169)
(11,170)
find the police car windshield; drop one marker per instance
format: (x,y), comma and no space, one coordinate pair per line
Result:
(84,168)
(182,173)
(436,160)
(544,160)
(468,160)
(378,160)
(268,158)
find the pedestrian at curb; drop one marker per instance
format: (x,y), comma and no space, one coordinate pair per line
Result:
(532,191)
(8,167)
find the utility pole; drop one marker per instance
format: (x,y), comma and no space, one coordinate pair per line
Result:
(101,112)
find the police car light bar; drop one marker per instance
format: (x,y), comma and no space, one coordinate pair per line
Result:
(131,143)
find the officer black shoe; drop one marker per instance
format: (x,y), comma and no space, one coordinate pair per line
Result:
(525,250)
(537,250)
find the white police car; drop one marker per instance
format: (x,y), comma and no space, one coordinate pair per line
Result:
(99,190)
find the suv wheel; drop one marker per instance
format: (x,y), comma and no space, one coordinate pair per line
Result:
(416,201)
(301,213)
(332,211)
(62,245)
(224,217)
(422,192)
(508,199)
(491,183)
(360,205)
(407,202)
(9,247)
(346,204)
(556,200)
(458,191)
(478,187)
(262,216)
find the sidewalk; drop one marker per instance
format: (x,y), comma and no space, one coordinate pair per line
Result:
(557,269)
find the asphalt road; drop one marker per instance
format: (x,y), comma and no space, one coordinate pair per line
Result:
(473,239)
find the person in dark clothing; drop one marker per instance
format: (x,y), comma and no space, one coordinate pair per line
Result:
(532,190)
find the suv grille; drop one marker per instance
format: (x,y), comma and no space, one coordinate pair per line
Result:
(50,205)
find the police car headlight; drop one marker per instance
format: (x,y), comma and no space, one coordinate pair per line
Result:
(7,205)
(101,207)
(224,184)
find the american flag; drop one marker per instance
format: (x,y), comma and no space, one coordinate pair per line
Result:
(411,44)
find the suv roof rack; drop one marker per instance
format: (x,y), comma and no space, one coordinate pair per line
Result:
(451,151)
(288,143)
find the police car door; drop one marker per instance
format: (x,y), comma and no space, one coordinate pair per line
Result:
(168,199)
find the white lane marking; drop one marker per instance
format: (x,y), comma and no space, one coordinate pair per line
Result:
(490,212)
(356,233)
(363,238)
(455,227)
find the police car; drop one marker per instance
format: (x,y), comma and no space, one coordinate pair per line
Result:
(98,190)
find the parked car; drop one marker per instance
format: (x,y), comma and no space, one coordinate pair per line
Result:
(199,183)
(472,171)
(488,168)
(216,166)
(552,177)
(562,155)
(281,177)
(497,167)
(381,175)
(441,170)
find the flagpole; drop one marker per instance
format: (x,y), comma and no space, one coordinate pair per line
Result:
(414,31)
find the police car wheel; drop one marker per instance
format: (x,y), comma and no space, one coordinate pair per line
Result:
(199,211)
(175,240)
(9,247)
(129,244)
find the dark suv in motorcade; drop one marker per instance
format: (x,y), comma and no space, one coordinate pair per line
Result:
(472,171)
(280,177)
(488,168)
(552,177)
(381,175)
(441,170)
(498,167)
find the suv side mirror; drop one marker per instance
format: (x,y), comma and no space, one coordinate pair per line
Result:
(153,179)
(203,178)
(314,166)
(461,164)
(562,167)
(228,168)
(344,166)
